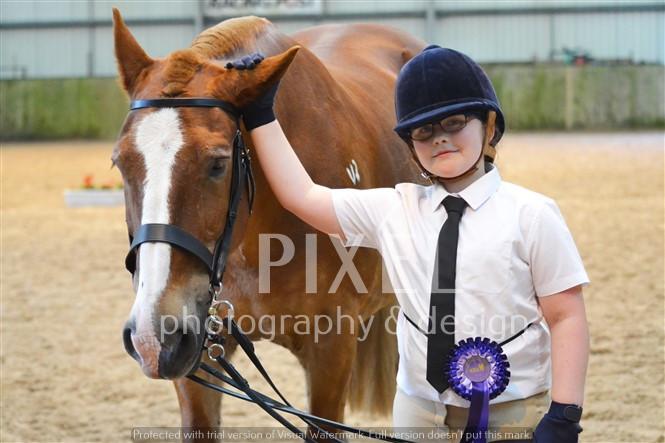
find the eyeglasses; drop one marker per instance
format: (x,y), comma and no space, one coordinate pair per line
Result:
(449,125)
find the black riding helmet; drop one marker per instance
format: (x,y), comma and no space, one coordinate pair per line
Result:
(440,82)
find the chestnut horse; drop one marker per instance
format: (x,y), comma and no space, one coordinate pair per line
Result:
(335,104)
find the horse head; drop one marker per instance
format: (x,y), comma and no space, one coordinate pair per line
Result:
(176,167)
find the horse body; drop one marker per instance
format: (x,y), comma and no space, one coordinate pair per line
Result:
(335,105)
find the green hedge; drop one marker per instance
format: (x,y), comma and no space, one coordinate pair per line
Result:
(542,97)
(61,108)
(537,97)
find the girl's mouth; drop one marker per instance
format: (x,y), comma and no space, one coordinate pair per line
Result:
(443,153)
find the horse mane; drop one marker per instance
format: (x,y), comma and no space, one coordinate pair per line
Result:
(225,40)
(231,37)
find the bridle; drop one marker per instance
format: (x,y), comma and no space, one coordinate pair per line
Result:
(215,263)
(241,178)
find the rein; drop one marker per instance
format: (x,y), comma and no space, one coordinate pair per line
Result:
(242,179)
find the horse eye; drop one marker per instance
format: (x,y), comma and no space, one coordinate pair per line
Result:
(218,167)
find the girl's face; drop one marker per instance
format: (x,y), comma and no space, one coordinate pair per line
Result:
(449,154)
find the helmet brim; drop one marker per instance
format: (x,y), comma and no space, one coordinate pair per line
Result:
(440,111)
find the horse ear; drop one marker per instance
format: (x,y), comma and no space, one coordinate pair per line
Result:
(245,86)
(131,58)
(242,87)
(273,68)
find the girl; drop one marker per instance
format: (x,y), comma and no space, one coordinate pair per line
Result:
(486,258)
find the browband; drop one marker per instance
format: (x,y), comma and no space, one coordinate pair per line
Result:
(185,102)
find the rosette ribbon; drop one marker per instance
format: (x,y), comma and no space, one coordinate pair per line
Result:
(477,371)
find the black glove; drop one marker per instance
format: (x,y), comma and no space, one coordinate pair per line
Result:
(559,425)
(260,111)
(247,62)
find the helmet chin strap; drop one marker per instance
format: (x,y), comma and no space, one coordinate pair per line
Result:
(488,151)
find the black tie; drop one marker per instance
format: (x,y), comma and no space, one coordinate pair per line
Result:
(441,337)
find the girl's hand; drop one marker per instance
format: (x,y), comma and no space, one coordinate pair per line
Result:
(259,112)
(555,427)
(247,62)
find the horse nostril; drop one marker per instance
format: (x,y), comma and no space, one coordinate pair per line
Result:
(163,354)
(178,354)
(171,342)
(127,341)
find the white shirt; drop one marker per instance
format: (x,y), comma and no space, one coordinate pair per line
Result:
(513,246)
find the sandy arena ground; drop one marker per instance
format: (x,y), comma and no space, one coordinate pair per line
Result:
(65,293)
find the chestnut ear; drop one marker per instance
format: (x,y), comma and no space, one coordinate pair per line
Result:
(131,58)
(247,85)
(273,68)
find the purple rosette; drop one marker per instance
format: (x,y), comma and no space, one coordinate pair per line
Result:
(477,371)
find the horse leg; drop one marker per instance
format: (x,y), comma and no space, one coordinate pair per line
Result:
(328,365)
(200,407)
(200,410)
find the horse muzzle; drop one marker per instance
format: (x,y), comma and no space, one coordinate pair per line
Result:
(167,351)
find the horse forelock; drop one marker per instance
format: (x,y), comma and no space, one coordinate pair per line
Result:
(180,68)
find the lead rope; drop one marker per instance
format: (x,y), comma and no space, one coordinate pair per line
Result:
(216,352)
(281,407)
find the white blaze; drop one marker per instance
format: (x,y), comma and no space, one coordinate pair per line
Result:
(158,139)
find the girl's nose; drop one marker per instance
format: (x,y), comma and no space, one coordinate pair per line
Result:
(439,136)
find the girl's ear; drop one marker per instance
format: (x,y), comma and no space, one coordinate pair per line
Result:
(489,151)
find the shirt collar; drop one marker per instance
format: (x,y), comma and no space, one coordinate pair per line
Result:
(475,194)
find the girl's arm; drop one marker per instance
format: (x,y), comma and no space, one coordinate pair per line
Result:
(291,183)
(566,318)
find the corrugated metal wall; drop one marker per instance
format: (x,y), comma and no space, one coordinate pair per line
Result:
(73,39)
